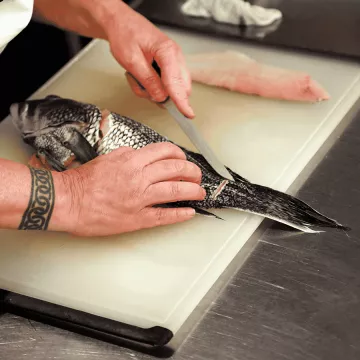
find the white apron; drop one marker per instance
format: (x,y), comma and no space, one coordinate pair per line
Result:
(15,15)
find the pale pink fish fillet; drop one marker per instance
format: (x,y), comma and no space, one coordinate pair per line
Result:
(238,72)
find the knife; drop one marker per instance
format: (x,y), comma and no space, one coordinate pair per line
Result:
(189,128)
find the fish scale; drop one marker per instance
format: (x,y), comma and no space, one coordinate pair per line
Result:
(121,133)
(59,129)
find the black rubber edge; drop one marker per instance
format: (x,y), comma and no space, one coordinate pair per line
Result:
(152,341)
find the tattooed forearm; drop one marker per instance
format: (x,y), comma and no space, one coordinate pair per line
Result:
(41,204)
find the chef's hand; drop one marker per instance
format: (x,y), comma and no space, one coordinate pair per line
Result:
(114,193)
(134,42)
(144,43)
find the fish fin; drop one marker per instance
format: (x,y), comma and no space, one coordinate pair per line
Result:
(203,164)
(200,161)
(52,97)
(81,148)
(301,228)
(289,210)
(236,176)
(183,205)
(206,213)
(52,161)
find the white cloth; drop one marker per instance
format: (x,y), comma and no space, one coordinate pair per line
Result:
(231,11)
(15,15)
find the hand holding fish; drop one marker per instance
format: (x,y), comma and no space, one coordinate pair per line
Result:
(114,193)
(134,41)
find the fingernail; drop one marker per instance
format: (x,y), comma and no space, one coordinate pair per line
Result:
(189,212)
(191,112)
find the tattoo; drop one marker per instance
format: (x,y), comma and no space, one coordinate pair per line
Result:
(41,203)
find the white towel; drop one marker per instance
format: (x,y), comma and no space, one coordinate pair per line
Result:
(231,11)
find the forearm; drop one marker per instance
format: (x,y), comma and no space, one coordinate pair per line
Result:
(85,17)
(16,190)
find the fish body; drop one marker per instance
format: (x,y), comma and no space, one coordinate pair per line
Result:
(67,133)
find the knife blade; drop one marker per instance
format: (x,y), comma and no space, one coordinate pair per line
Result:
(189,128)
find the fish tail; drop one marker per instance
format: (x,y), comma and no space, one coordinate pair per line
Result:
(289,210)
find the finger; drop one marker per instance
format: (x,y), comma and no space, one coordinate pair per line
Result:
(153,217)
(174,170)
(166,55)
(138,91)
(147,76)
(172,191)
(185,73)
(135,87)
(156,152)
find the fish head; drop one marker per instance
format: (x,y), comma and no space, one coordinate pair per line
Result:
(56,127)
(33,117)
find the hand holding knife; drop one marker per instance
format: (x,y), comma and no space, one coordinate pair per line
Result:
(191,131)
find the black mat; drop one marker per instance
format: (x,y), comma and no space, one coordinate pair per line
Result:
(29,60)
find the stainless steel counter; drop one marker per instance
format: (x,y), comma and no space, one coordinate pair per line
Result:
(296,297)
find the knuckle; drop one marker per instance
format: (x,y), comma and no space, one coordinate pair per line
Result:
(175,149)
(151,81)
(180,92)
(177,80)
(197,171)
(167,46)
(201,192)
(124,153)
(130,61)
(135,177)
(137,90)
(197,192)
(157,93)
(178,213)
(174,189)
(154,87)
(159,216)
(133,200)
(168,147)
(129,158)
(179,166)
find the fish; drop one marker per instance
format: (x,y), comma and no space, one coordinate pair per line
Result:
(67,133)
(236,71)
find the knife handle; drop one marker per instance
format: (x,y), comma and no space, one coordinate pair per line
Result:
(156,67)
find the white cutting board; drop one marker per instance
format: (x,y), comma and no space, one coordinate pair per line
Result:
(158,276)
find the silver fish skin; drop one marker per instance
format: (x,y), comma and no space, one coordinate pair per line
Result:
(58,128)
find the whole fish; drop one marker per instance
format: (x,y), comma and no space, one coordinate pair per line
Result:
(66,133)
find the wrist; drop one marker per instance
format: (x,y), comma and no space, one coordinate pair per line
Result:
(108,13)
(15,187)
(65,214)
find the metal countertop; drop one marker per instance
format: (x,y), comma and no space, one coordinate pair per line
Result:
(296,297)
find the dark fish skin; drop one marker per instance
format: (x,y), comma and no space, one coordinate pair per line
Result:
(58,128)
